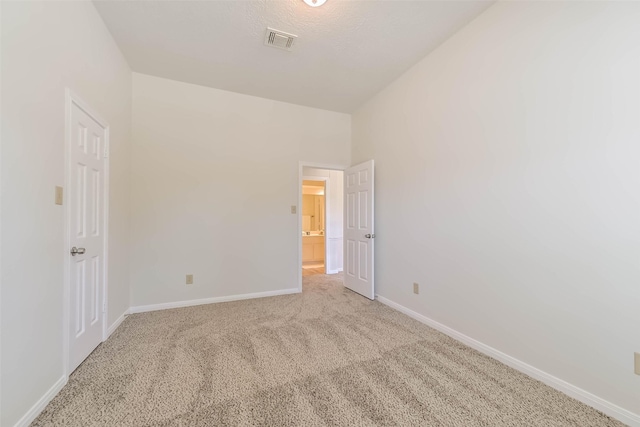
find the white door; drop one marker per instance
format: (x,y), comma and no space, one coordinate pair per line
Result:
(86,234)
(358,229)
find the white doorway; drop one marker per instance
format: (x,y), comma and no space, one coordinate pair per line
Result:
(320,219)
(353,245)
(313,211)
(87,171)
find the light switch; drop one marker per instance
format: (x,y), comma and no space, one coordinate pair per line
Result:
(294,209)
(59,195)
(189,279)
(636,357)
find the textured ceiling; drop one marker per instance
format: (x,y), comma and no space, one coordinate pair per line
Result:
(346,51)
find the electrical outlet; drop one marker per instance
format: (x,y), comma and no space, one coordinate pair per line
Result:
(59,195)
(189,279)
(637,363)
(416,288)
(294,209)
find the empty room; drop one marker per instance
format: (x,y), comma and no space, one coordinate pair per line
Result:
(319,213)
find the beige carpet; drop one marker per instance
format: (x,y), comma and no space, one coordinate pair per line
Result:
(323,357)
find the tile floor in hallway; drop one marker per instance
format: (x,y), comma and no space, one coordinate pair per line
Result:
(312,269)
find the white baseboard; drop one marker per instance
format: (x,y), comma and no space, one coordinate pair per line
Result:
(178,304)
(42,403)
(571,390)
(117,323)
(55,389)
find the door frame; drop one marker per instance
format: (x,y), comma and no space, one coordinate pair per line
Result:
(302,177)
(73,99)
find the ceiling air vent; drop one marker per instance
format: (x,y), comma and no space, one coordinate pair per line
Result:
(279,39)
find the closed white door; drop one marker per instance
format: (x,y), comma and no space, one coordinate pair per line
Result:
(86,228)
(358,229)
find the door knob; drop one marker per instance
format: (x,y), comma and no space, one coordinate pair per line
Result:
(77,251)
(370,236)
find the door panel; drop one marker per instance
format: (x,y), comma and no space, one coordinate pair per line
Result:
(86,223)
(358,229)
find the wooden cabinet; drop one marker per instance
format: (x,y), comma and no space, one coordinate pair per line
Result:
(312,248)
(307,251)
(318,251)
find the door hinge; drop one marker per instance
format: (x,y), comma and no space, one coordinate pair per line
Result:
(104,307)
(106,151)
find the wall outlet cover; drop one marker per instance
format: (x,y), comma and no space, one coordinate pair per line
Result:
(636,363)
(189,279)
(294,209)
(416,288)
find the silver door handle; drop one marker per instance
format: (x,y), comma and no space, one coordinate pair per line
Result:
(77,251)
(370,236)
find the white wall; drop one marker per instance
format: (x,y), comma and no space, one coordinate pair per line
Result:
(335,215)
(196,209)
(47,46)
(507,179)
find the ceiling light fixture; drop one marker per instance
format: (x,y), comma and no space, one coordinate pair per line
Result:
(315,3)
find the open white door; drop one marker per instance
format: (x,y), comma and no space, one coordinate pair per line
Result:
(88,140)
(358,229)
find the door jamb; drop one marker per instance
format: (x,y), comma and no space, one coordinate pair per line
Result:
(301,177)
(70,99)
